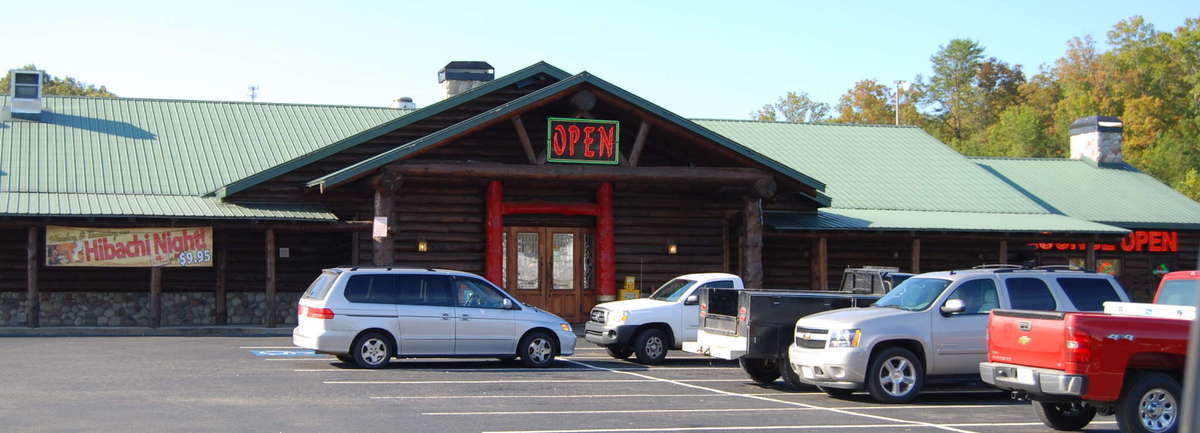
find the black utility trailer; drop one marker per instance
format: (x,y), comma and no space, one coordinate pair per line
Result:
(756,327)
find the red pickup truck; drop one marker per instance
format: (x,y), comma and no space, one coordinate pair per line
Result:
(1073,365)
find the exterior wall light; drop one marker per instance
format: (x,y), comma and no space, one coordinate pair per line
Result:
(672,249)
(422,245)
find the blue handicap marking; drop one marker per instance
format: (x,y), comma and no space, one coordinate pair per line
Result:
(284,353)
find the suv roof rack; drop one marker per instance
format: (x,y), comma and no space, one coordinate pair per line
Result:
(998,266)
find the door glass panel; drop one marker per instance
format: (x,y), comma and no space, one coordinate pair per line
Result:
(588,244)
(564,261)
(527,260)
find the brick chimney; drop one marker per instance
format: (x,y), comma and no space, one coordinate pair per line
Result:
(1097,139)
(458,77)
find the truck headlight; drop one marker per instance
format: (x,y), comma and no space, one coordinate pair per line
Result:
(844,337)
(618,317)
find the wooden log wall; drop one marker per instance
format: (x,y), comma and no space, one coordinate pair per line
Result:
(786,262)
(853,253)
(647,219)
(448,214)
(12,259)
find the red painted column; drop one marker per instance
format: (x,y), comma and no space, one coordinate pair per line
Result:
(494,226)
(606,256)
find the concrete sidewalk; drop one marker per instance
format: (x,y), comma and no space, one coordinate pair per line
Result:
(138,331)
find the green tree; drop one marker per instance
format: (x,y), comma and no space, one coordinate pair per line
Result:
(1190,184)
(869,102)
(952,93)
(67,86)
(795,108)
(1019,131)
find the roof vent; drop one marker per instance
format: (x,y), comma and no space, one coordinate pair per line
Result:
(26,94)
(458,77)
(406,103)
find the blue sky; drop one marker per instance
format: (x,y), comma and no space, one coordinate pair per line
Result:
(698,58)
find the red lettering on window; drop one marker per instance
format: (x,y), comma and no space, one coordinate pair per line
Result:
(573,133)
(1171,242)
(560,140)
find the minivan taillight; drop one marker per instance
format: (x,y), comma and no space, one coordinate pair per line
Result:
(1078,351)
(316,313)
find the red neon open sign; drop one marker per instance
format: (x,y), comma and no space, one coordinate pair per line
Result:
(585,141)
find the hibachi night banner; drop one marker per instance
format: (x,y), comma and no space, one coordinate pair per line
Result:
(129,247)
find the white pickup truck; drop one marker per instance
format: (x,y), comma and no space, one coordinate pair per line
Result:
(648,327)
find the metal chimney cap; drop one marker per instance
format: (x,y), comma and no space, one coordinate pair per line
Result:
(467,71)
(1097,124)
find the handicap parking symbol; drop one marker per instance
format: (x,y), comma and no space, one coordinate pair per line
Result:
(284,353)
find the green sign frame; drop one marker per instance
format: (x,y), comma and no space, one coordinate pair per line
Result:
(566,123)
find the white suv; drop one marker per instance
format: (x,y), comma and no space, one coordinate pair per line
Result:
(366,316)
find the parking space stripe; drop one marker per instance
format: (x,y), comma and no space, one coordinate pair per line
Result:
(844,412)
(420,382)
(587,396)
(500,370)
(714,428)
(652,411)
(268,347)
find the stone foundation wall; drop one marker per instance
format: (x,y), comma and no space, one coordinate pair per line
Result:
(12,309)
(188,308)
(94,309)
(249,308)
(133,308)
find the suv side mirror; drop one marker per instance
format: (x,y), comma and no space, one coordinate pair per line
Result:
(953,306)
(692,300)
(506,304)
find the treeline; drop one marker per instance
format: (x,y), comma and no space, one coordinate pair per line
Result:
(983,106)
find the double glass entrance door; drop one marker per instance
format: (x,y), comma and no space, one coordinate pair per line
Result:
(550,267)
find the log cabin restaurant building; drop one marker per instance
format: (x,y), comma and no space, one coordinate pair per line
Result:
(559,187)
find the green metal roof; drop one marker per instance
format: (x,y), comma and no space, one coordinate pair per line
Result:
(148,146)
(879,167)
(905,220)
(346,142)
(137,205)
(351,172)
(1113,194)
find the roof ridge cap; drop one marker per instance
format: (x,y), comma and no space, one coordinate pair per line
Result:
(873,125)
(214,101)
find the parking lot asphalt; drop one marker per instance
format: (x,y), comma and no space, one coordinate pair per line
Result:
(264,384)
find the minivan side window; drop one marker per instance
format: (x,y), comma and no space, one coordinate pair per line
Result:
(1029,294)
(371,289)
(473,293)
(979,296)
(1088,294)
(437,290)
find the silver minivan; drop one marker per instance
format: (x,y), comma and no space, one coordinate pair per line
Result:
(366,316)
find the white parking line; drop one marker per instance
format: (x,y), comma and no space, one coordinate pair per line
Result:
(844,412)
(268,347)
(648,411)
(612,359)
(781,427)
(501,370)
(587,396)
(299,358)
(420,382)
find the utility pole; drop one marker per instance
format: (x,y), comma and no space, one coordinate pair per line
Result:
(901,85)
(253,93)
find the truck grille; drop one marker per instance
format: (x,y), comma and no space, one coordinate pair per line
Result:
(810,338)
(598,315)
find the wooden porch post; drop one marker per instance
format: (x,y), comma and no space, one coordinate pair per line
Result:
(752,242)
(822,263)
(270,247)
(1091,256)
(386,184)
(155,296)
(32,309)
(916,255)
(1003,253)
(219,311)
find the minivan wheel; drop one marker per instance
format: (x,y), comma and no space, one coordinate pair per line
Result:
(761,371)
(650,346)
(372,350)
(895,375)
(537,350)
(1064,416)
(618,351)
